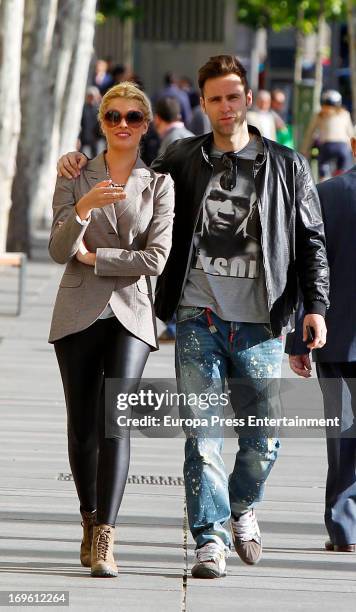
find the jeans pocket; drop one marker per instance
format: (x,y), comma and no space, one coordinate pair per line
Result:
(188,313)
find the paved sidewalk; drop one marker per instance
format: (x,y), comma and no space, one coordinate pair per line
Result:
(40,527)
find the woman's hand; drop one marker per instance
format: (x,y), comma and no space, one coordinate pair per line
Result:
(85,256)
(101,195)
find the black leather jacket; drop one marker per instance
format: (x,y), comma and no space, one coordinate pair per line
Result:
(293,241)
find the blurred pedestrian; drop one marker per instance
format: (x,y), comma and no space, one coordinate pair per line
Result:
(261,116)
(171,90)
(186,84)
(284,131)
(278,108)
(168,122)
(90,134)
(109,63)
(199,122)
(102,77)
(150,145)
(331,129)
(119,74)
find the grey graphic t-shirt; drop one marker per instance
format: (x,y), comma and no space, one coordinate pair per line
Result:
(226,271)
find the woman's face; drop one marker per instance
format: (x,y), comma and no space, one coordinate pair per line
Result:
(124,135)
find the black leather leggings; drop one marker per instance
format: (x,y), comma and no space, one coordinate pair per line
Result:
(99,464)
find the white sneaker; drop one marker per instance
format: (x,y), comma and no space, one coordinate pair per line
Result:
(210,561)
(247,537)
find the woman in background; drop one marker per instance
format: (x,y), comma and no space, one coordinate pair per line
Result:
(332,128)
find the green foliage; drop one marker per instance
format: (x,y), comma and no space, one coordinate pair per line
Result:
(283,14)
(123,9)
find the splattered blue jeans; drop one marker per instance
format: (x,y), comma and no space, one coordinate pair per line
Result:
(241,361)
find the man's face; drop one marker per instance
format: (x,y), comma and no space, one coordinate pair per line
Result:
(225,212)
(263,102)
(226,103)
(278,102)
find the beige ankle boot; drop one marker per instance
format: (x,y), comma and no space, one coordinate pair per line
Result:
(102,552)
(87,523)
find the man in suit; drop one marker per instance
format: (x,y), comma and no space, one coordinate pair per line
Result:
(336,361)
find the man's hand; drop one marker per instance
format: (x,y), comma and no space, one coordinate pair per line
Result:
(317,323)
(70,164)
(300,364)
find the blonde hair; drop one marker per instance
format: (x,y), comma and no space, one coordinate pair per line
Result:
(129,91)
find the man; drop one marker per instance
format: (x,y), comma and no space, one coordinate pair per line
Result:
(168,122)
(228,325)
(102,79)
(278,108)
(262,117)
(336,362)
(172,90)
(199,122)
(90,135)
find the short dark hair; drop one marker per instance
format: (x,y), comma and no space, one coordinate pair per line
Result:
(168,109)
(222,65)
(169,78)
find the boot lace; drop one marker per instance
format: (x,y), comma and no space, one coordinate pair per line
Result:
(102,544)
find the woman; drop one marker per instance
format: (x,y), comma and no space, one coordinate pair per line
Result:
(112,226)
(332,127)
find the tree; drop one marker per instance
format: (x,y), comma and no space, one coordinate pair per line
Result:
(11,26)
(307,17)
(127,11)
(68,73)
(123,9)
(39,24)
(57,47)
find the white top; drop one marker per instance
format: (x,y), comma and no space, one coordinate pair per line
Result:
(331,127)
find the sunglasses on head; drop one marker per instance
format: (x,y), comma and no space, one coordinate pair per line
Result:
(133,118)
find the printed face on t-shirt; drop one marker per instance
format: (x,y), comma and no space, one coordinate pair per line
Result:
(228,242)
(225,213)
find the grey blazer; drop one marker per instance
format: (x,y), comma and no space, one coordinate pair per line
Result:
(132,240)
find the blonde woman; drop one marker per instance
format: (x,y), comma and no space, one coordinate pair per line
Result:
(112,228)
(332,128)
